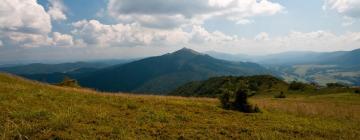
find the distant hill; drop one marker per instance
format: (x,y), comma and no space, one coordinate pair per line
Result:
(57,77)
(39,68)
(348,59)
(162,74)
(230,57)
(319,67)
(340,58)
(213,86)
(296,58)
(322,68)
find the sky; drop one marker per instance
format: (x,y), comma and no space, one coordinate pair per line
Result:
(69,30)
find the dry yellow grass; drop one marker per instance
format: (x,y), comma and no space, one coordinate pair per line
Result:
(339,106)
(31,110)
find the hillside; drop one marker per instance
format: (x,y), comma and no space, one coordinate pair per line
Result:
(318,67)
(39,68)
(162,74)
(211,88)
(31,110)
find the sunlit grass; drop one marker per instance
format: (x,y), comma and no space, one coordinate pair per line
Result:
(31,110)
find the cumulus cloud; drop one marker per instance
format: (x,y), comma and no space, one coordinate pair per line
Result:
(62,40)
(24,15)
(95,33)
(21,39)
(24,23)
(56,10)
(173,13)
(262,36)
(349,8)
(294,41)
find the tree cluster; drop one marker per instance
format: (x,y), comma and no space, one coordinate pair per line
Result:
(237,101)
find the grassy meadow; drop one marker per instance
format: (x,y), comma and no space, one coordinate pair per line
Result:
(32,110)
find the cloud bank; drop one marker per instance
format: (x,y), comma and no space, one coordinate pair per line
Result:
(174,13)
(143,27)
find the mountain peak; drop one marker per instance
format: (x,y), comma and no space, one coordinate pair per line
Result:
(187,51)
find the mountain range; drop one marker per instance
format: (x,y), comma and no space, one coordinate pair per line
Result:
(40,68)
(317,67)
(343,58)
(162,74)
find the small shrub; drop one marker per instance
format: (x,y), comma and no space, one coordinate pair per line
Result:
(253,86)
(225,100)
(68,82)
(240,103)
(281,95)
(357,91)
(336,85)
(297,86)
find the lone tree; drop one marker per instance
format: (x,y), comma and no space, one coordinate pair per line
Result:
(225,99)
(68,82)
(336,85)
(297,86)
(240,102)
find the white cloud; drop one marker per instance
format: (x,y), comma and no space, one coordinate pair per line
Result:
(1,43)
(173,13)
(349,8)
(62,40)
(56,10)
(244,21)
(97,34)
(348,21)
(294,41)
(24,23)
(24,16)
(94,33)
(262,36)
(200,35)
(21,39)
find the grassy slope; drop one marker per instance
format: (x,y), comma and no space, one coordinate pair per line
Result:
(33,110)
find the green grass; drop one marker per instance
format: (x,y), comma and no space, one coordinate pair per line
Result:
(30,110)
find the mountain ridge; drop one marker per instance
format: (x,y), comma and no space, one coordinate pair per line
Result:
(157,71)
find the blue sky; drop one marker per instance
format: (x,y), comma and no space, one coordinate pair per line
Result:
(70,30)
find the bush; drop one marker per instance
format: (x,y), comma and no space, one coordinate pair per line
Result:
(357,91)
(281,95)
(336,85)
(297,86)
(240,103)
(68,82)
(225,100)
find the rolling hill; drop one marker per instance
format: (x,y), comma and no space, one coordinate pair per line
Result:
(162,74)
(259,84)
(32,110)
(39,68)
(341,58)
(71,67)
(318,67)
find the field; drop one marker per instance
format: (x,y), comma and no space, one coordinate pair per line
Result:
(31,110)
